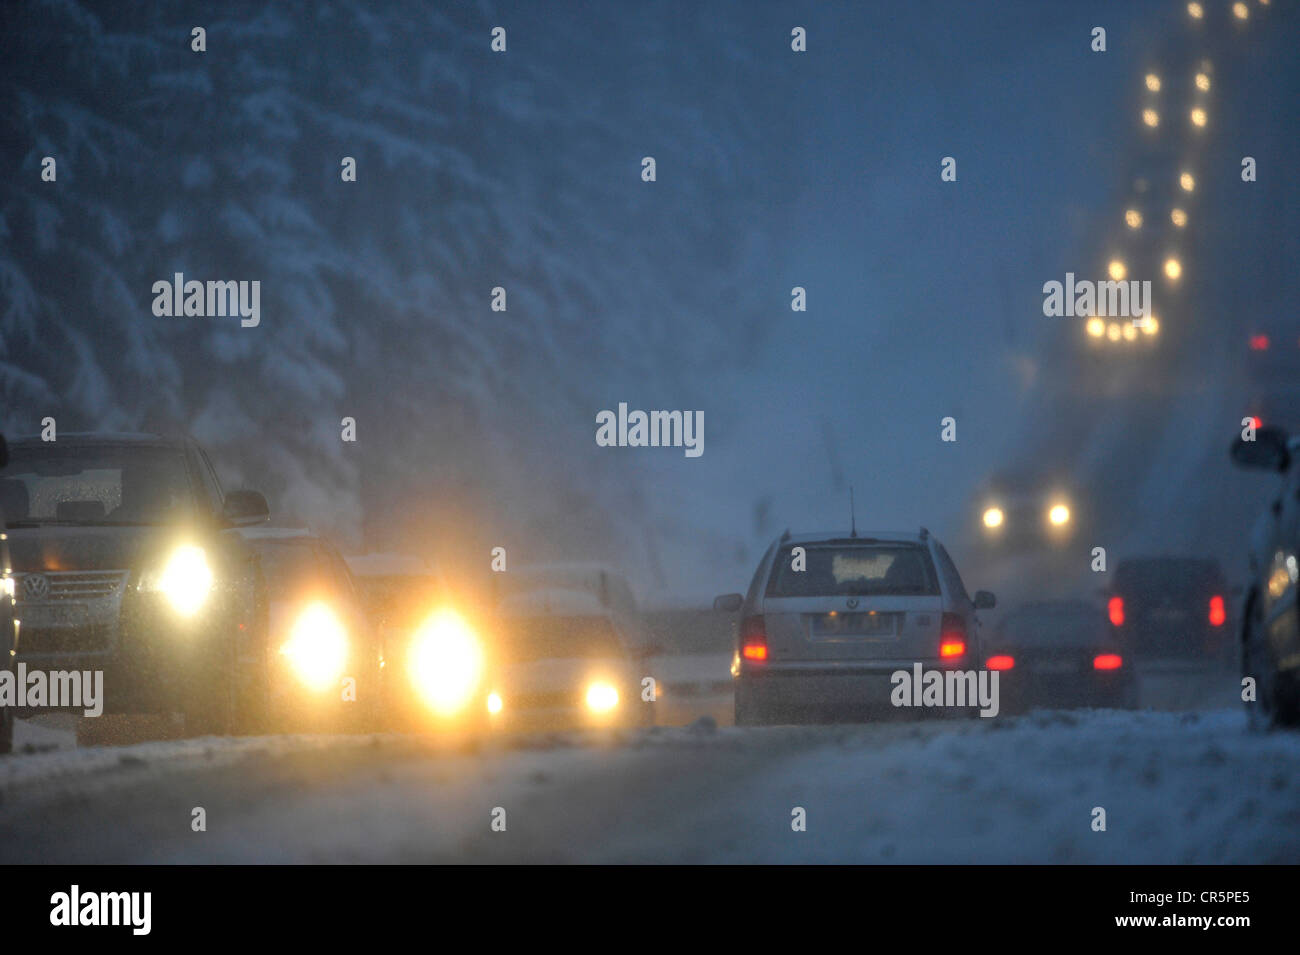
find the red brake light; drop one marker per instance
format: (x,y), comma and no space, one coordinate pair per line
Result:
(952,637)
(1259,343)
(1218,613)
(1001,662)
(1107,661)
(1115,607)
(753,639)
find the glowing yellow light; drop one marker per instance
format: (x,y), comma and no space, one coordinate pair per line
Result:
(1130,332)
(1117,270)
(1198,117)
(1195,10)
(187,579)
(1202,81)
(1113,332)
(1059,515)
(1133,218)
(446,662)
(1150,117)
(993,517)
(1173,268)
(1095,327)
(1179,217)
(1153,83)
(601,697)
(1151,326)
(1240,11)
(1187,182)
(317,647)
(494,703)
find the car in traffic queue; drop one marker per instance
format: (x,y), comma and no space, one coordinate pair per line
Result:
(1059,653)
(126,561)
(1270,622)
(433,653)
(829,617)
(1173,609)
(567,648)
(322,659)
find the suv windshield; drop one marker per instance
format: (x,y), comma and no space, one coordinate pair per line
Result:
(883,569)
(1169,578)
(95,485)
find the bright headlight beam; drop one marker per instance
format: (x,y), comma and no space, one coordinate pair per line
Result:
(187,579)
(317,648)
(446,662)
(601,697)
(1059,514)
(993,517)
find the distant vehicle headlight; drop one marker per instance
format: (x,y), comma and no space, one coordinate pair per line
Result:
(993,517)
(317,648)
(494,704)
(446,662)
(186,580)
(1059,515)
(601,697)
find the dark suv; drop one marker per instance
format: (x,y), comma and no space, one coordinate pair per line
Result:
(1172,608)
(125,562)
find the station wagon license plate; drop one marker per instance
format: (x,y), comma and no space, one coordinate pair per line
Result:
(868,625)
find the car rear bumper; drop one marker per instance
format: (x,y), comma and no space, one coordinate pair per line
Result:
(1025,689)
(814,688)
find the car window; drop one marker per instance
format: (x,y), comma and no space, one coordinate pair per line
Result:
(952,579)
(97,485)
(854,570)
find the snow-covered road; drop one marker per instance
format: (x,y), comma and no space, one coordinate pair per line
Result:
(1176,788)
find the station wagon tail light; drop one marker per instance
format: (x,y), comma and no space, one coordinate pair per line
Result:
(1218,613)
(753,639)
(952,637)
(1002,661)
(1107,661)
(1115,607)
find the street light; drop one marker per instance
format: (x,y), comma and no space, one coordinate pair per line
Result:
(1133,218)
(1151,117)
(1173,268)
(1198,117)
(1153,83)
(1179,217)
(1187,182)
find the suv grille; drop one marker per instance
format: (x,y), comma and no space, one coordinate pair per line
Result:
(74,584)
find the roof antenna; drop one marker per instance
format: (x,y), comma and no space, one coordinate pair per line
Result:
(853,517)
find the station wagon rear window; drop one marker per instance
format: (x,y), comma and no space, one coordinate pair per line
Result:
(847,570)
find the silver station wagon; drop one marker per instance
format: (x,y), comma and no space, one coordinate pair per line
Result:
(830,617)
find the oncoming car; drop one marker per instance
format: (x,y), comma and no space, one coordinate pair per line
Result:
(125,561)
(563,659)
(1021,510)
(1059,653)
(822,629)
(321,661)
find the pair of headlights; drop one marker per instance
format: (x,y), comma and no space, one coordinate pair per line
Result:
(1058,515)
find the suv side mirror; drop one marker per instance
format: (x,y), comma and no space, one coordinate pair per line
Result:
(985,600)
(1268,451)
(242,508)
(728,603)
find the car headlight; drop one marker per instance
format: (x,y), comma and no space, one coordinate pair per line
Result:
(446,662)
(185,579)
(601,697)
(1059,515)
(317,648)
(494,704)
(993,517)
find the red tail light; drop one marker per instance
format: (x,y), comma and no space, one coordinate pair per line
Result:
(753,639)
(1107,661)
(1218,613)
(952,637)
(1115,607)
(1259,343)
(1001,662)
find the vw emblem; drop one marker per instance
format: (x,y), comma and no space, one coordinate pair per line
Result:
(36,586)
(853,603)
